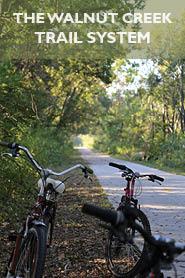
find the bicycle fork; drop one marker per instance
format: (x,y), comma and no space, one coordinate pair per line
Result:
(14,256)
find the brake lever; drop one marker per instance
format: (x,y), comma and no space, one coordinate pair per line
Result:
(91,180)
(6,154)
(158,182)
(153,180)
(86,175)
(15,153)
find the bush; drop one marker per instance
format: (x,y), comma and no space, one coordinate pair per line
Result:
(172,152)
(18,181)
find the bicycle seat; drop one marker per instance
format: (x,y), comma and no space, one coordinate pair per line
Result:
(57,185)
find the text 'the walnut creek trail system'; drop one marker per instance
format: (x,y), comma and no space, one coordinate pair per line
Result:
(56,37)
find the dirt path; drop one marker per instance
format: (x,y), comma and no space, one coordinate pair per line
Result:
(164,204)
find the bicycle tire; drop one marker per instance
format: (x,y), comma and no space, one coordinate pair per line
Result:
(49,220)
(32,253)
(117,265)
(49,226)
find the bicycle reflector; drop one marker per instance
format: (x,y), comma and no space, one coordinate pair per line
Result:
(57,185)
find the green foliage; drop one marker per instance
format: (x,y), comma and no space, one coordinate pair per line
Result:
(18,180)
(23,100)
(76,87)
(148,123)
(43,103)
(172,152)
(50,146)
(22,36)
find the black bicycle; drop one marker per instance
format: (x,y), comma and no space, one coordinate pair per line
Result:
(35,235)
(125,259)
(162,251)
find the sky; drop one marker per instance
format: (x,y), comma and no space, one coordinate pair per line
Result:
(145,67)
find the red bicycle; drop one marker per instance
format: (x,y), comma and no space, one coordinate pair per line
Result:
(126,259)
(35,235)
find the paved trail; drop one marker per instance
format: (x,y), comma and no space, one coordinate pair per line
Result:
(164,204)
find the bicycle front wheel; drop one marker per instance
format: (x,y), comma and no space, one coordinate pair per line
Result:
(127,259)
(31,260)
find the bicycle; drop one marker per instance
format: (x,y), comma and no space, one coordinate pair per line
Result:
(125,260)
(35,235)
(162,251)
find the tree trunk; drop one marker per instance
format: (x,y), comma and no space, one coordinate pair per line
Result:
(182,97)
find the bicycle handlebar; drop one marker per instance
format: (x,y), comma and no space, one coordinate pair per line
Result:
(107,215)
(84,169)
(121,167)
(16,147)
(5,144)
(136,175)
(117,218)
(155,177)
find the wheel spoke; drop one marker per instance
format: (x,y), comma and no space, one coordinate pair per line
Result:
(126,258)
(27,260)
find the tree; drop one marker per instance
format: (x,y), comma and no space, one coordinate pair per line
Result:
(22,36)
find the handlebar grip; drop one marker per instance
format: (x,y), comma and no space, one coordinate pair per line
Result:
(107,215)
(170,244)
(8,145)
(121,167)
(157,178)
(180,247)
(89,170)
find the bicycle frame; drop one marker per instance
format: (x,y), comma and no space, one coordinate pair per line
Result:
(129,190)
(44,210)
(39,214)
(128,197)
